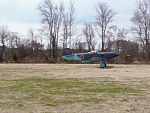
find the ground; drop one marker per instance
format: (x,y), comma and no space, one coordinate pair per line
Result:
(73,88)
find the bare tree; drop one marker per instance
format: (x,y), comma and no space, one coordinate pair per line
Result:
(52,17)
(41,36)
(103,19)
(31,33)
(11,53)
(32,40)
(4,34)
(68,28)
(71,20)
(65,30)
(79,45)
(12,40)
(111,37)
(122,33)
(88,32)
(141,28)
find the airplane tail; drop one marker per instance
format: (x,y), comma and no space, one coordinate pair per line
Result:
(67,51)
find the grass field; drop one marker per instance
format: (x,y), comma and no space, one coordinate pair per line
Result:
(74,88)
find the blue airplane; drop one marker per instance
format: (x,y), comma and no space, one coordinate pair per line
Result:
(89,56)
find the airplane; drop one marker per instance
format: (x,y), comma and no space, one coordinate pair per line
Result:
(89,56)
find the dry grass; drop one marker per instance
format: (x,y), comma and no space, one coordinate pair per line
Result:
(73,88)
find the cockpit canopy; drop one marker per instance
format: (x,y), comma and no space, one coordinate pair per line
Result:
(93,52)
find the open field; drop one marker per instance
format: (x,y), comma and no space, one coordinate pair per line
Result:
(74,88)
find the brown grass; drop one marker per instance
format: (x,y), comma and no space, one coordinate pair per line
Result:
(127,76)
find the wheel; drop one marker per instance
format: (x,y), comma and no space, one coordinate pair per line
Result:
(104,65)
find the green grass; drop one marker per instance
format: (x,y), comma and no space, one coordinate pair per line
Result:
(56,92)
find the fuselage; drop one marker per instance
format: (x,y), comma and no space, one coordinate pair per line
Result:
(88,56)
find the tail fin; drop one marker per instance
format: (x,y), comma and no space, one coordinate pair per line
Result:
(67,51)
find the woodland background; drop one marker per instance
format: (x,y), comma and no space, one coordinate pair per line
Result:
(59,30)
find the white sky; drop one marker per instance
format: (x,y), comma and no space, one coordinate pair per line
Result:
(20,15)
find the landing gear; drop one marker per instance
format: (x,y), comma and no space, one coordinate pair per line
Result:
(102,64)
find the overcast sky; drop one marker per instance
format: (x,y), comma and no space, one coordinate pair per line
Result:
(20,15)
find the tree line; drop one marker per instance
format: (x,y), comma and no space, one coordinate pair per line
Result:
(59,30)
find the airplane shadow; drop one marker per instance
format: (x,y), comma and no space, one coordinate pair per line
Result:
(108,67)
